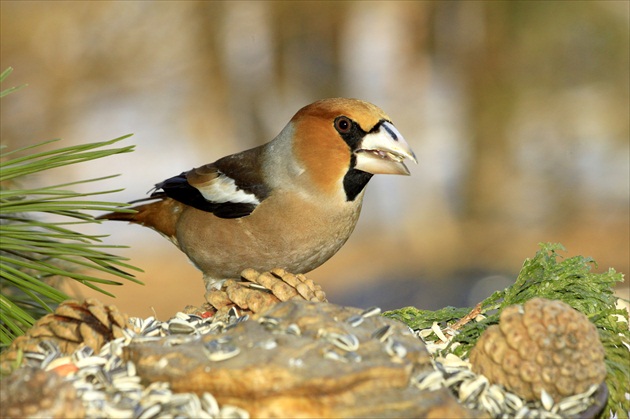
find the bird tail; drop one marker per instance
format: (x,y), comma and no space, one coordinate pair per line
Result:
(126,216)
(161,214)
(117,216)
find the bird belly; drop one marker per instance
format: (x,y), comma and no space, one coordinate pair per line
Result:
(298,238)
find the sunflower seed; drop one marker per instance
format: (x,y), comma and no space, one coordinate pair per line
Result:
(435,347)
(454,345)
(117,373)
(128,335)
(48,358)
(395,349)
(267,344)
(293,329)
(334,356)
(459,377)
(57,362)
(233,412)
(106,350)
(573,407)
(472,389)
(546,400)
(182,316)
(355,320)
(491,405)
(150,411)
(438,332)
(36,356)
(453,361)
(192,407)
(372,311)
(178,326)
(90,361)
(209,404)
(429,380)
(588,393)
(513,402)
(347,342)
(353,356)
(497,393)
(136,322)
(149,321)
(131,368)
(153,329)
(424,333)
(523,412)
(575,404)
(82,353)
(127,383)
(382,333)
(92,395)
(220,351)
(269,322)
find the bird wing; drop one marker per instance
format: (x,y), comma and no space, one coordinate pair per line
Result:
(231,187)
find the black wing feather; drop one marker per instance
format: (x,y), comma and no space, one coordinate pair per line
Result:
(180,190)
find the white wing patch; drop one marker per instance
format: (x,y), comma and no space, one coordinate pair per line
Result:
(223,189)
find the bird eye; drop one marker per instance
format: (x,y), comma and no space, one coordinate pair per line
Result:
(343,125)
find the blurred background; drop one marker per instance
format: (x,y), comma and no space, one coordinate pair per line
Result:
(518,113)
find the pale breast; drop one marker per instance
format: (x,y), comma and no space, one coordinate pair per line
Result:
(291,234)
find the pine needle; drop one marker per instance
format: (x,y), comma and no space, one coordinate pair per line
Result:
(35,252)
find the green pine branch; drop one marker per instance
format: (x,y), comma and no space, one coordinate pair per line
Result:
(38,246)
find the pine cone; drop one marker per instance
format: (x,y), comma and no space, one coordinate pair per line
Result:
(544,344)
(257,292)
(71,325)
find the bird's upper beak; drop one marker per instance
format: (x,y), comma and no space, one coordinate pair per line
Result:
(383,152)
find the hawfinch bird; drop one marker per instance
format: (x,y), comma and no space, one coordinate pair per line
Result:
(290,203)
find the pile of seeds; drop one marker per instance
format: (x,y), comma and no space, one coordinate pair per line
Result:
(476,392)
(110,387)
(305,359)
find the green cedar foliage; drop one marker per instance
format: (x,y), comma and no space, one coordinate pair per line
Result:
(569,280)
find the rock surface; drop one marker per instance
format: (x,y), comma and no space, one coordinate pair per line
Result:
(31,392)
(303,359)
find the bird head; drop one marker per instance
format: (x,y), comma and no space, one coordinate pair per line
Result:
(347,140)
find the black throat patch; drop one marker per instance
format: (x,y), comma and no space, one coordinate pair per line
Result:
(355,181)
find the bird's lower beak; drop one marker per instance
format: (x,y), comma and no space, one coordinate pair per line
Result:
(383,152)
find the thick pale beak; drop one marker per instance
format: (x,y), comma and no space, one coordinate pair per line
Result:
(383,152)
